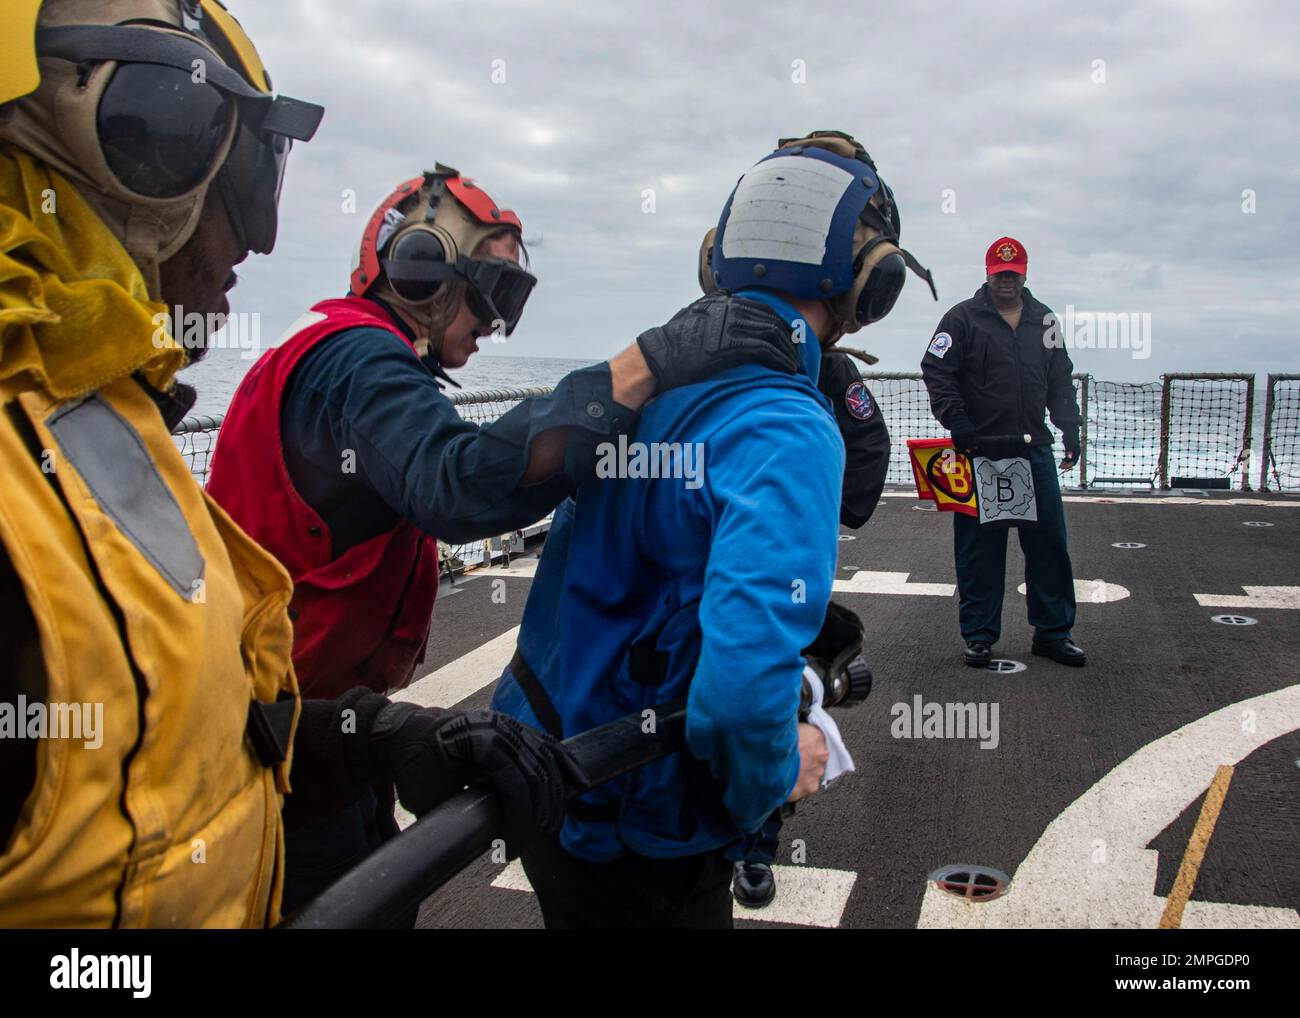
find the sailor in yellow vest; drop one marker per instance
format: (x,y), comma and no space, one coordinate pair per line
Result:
(147,696)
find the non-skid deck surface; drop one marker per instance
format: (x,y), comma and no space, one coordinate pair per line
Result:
(1095,788)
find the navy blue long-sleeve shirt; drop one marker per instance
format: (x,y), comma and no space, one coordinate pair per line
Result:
(369,437)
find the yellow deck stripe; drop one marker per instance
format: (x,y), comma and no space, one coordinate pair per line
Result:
(1196,846)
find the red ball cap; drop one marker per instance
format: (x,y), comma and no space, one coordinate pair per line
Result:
(1006,254)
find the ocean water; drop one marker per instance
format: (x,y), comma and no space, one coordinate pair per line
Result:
(218,374)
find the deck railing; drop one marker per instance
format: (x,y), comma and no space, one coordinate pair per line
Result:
(1188,430)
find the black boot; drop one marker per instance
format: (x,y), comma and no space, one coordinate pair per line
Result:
(1065,652)
(754,885)
(978,654)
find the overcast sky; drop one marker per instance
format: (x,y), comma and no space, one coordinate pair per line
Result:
(1114,140)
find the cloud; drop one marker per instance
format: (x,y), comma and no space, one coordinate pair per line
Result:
(1123,178)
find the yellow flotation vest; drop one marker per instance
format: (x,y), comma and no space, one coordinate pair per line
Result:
(148,600)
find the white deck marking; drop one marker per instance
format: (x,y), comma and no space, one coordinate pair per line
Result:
(865,582)
(805,895)
(1094,591)
(1213,915)
(1255,597)
(1091,867)
(463,677)
(513,878)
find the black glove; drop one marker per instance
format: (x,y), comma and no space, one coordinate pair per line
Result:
(431,754)
(841,633)
(965,439)
(715,333)
(1070,439)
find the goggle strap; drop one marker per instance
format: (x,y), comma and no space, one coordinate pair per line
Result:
(124,44)
(410,270)
(874,218)
(920,270)
(291,118)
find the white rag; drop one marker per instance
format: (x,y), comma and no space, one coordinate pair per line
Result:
(839,761)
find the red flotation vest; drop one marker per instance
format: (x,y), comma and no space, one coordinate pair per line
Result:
(362,618)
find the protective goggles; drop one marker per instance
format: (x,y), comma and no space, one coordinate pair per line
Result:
(171,116)
(496,288)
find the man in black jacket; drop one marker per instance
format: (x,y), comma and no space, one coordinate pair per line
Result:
(994,365)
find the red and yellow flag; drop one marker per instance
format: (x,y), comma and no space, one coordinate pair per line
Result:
(942,474)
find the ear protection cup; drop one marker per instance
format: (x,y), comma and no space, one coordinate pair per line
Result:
(416,245)
(879,271)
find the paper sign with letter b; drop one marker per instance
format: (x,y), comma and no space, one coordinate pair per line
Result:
(1005,491)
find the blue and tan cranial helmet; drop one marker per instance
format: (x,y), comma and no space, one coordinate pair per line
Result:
(813,219)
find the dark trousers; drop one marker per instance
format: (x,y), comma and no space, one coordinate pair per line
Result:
(981,553)
(760,847)
(630,893)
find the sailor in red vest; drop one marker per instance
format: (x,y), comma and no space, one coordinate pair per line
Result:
(341,454)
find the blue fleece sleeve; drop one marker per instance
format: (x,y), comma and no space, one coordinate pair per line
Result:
(773,490)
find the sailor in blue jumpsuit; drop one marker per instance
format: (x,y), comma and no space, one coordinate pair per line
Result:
(707,592)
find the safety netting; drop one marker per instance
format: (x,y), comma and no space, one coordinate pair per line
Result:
(1207,431)
(196,437)
(905,404)
(1199,424)
(1281,465)
(1123,438)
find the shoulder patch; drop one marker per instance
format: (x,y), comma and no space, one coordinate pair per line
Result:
(858,401)
(941,344)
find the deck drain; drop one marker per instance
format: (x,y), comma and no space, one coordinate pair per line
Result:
(846,537)
(1003,664)
(1128,544)
(1256,523)
(1233,620)
(926,508)
(974,883)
